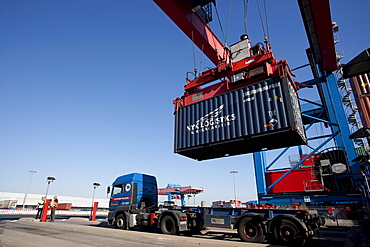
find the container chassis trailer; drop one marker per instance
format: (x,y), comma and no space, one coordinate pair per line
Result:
(134,203)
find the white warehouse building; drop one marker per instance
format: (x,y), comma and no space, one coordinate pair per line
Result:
(32,200)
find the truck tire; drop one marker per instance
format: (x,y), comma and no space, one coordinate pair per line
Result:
(251,230)
(289,231)
(168,225)
(120,222)
(322,221)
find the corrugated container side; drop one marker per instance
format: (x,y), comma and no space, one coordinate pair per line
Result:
(262,115)
(361,90)
(65,206)
(299,180)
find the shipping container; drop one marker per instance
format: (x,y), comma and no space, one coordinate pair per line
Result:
(264,115)
(218,204)
(8,204)
(64,206)
(361,91)
(299,180)
(310,161)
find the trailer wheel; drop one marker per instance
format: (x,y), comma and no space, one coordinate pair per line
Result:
(288,232)
(322,221)
(251,230)
(168,225)
(120,222)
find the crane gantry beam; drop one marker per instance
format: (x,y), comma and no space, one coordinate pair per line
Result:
(185,17)
(317,20)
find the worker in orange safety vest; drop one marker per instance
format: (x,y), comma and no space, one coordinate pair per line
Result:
(53,207)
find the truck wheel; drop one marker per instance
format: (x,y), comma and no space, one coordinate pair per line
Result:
(287,232)
(168,225)
(322,221)
(120,222)
(251,230)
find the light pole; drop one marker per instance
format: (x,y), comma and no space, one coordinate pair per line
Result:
(96,185)
(49,180)
(234,172)
(28,187)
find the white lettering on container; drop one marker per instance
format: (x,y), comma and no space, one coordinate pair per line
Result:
(211,121)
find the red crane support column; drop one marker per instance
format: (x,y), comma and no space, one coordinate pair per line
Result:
(44,215)
(93,213)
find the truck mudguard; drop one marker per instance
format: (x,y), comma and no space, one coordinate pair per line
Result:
(176,215)
(252,215)
(288,229)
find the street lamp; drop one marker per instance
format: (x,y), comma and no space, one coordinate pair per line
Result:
(234,172)
(28,187)
(49,180)
(96,185)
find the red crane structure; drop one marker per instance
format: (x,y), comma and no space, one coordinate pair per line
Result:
(237,66)
(239,111)
(208,122)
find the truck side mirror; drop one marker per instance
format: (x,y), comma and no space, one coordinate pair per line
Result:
(108,190)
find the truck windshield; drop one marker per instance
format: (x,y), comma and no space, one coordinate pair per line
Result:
(117,189)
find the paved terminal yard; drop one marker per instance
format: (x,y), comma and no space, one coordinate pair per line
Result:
(78,231)
(81,232)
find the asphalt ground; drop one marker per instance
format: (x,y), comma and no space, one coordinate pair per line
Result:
(27,232)
(7,217)
(18,230)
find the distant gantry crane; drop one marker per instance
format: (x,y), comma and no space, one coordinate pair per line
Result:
(175,191)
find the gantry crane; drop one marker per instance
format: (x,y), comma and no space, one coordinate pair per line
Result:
(328,175)
(175,191)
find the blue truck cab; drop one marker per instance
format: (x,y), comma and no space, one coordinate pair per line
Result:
(134,202)
(130,194)
(133,191)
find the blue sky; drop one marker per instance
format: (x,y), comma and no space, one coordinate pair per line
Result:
(86,90)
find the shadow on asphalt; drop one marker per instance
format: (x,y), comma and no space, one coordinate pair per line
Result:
(102,224)
(330,236)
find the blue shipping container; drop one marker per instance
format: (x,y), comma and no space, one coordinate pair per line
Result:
(262,115)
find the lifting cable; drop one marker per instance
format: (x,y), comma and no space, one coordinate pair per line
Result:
(245,16)
(228,22)
(194,57)
(195,73)
(219,22)
(193,48)
(265,31)
(267,23)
